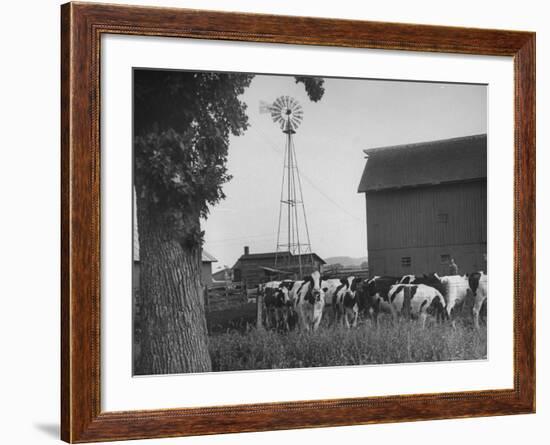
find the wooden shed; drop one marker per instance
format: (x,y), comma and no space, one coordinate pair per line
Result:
(426,203)
(206,267)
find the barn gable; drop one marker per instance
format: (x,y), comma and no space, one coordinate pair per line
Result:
(426,203)
(425,163)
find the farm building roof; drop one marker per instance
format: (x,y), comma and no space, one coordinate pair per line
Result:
(272,255)
(219,274)
(273,270)
(425,163)
(207,258)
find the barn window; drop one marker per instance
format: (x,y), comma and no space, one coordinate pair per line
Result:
(237,275)
(406,261)
(445,259)
(443,218)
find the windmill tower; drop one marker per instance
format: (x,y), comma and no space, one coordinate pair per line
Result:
(288,114)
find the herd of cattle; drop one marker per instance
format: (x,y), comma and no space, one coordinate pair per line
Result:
(303,303)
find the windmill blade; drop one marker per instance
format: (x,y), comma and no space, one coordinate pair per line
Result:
(293,103)
(287,102)
(279,103)
(285,109)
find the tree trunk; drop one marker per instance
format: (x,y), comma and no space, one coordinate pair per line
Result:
(174,335)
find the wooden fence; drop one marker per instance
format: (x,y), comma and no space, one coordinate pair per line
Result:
(225,296)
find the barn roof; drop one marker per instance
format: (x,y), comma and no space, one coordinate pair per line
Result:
(425,163)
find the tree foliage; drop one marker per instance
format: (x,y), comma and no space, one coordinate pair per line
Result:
(183,121)
(314,86)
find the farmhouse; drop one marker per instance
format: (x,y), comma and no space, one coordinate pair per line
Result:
(256,268)
(426,203)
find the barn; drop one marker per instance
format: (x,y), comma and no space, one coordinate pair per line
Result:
(256,268)
(426,203)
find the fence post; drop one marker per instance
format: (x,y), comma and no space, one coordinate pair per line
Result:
(259,309)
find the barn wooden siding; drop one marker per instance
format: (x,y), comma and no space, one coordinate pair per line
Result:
(424,223)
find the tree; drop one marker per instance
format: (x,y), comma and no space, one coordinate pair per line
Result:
(182,124)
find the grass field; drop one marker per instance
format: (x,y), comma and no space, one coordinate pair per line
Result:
(237,318)
(404,342)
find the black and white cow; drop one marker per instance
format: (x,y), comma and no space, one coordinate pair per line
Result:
(478,285)
(373,296)
(432,280)
(278,306)
(273,303)
(417,301)
(456,289)
(284,292)
(344,298)
(310,301)
(332,285)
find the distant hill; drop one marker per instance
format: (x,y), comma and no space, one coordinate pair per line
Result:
(345,261)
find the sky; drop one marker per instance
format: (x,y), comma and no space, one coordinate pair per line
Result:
(353,115)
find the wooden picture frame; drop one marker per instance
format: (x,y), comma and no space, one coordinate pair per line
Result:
(82,26)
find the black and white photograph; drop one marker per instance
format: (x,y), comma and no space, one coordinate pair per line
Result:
(293,221)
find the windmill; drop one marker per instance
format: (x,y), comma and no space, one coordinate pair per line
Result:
(288,114)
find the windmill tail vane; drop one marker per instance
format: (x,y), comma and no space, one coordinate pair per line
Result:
(265,107)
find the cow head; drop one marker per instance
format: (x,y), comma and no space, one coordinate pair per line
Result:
(279,298)
(355,284)
(350,298)
(317,292)
(353,288)
(283,293)
(473,282)
(370,286)
(365,292)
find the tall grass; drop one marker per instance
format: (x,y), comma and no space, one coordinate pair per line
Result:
(403,342)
